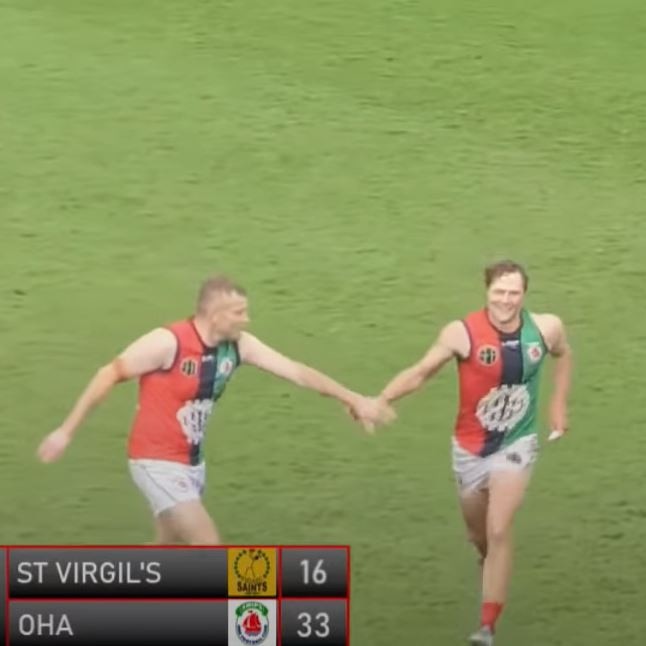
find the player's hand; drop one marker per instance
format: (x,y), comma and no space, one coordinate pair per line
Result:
(53,446)
(371,412)
(558,421)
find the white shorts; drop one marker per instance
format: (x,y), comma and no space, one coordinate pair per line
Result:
(164,484)
(472,471)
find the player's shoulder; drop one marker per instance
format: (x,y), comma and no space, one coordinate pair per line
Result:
(247,339)
(551,328)
(181,332)
(454,335)
(474,323)
(455,327)
(248,345)
(178,327)
(547,321)
(161,335)
(475,319)
(163,342)
(151,351)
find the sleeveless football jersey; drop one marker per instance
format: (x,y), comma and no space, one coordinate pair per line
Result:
(499,383)
(175,404)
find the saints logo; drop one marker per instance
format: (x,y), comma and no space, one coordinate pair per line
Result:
(252,572)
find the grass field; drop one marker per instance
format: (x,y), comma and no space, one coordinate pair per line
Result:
(354,164)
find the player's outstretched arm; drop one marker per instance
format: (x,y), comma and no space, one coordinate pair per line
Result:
(153,351)
(368,410)
(555,336)
(451,342)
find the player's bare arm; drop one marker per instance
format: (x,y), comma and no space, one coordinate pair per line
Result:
(255,352)
(153,351)
(554,333)
(452,342)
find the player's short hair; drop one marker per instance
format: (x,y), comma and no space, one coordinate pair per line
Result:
(500,268)
(214,286)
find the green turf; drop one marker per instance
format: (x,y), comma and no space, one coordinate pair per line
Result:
(354,164)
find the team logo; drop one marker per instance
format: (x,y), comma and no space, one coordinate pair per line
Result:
(193,417)
(188,367)
(534,352)
(225,367)
(252,623)
(487,355)
(252,572)
(514,458)
(503,408)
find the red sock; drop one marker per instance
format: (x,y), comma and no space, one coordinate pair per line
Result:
(490,614)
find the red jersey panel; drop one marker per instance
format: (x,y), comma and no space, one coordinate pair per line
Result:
(478,375)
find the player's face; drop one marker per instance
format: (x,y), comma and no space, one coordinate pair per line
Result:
(505,298)
(231,316)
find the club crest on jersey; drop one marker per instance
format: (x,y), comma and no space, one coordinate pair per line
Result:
(534,352)
(225,367)
(503,407)
(188,367)
(193,417)
(487,355)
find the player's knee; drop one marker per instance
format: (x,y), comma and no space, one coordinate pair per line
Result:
(191,524)
(198,533)
(498,533)
(164,534)
(203,533)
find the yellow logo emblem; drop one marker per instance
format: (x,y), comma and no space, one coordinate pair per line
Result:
(252,572)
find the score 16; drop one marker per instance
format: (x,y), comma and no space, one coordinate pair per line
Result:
(309,572)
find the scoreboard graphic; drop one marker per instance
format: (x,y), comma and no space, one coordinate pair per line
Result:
(175,596)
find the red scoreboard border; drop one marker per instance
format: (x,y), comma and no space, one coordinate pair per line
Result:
(279,576)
